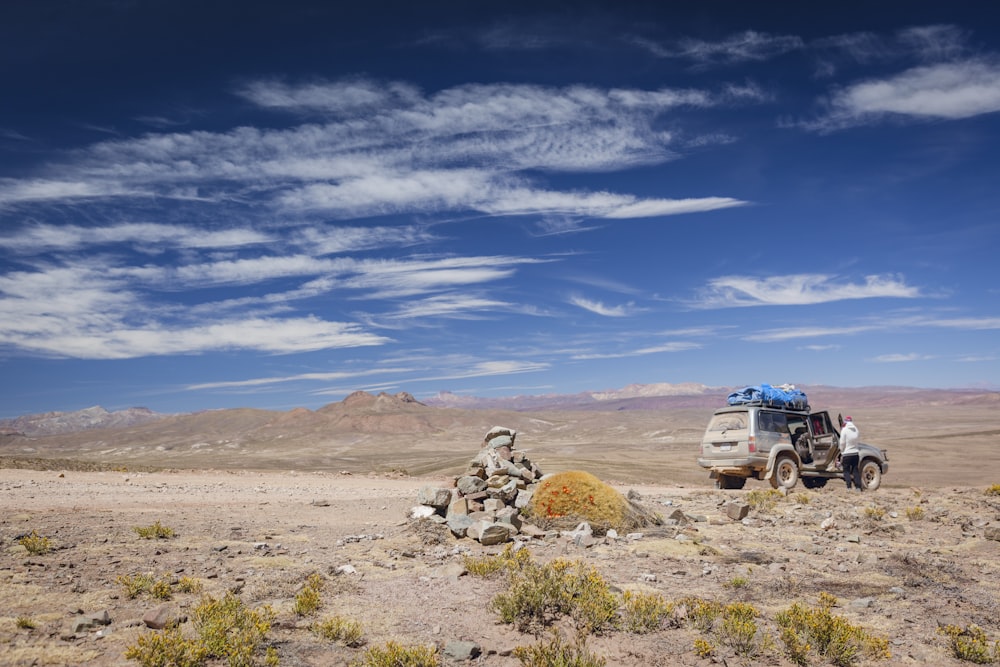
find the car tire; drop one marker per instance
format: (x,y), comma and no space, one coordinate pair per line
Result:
(730,482)
(871,475)
(785,474)
(814,482)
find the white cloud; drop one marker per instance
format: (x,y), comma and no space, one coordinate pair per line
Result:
(300,377)
(749,45)
(900,358)
(600,309)
(950,91)
(389,148)
(654,349)
(45,238)
(799,289)
(781,335)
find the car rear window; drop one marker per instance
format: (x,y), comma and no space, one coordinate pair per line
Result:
(729,421)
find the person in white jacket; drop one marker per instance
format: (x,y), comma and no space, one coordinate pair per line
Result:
(849,454)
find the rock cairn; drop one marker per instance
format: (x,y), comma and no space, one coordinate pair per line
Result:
(486,501)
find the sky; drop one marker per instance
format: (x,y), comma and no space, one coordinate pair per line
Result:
(218,204)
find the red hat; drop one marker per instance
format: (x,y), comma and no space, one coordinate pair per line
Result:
(848,419)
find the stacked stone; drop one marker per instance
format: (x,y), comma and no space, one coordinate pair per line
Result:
(488,497)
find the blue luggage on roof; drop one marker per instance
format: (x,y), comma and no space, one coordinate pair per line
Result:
(765,394)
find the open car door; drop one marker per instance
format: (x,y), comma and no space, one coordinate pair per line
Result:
(824,441)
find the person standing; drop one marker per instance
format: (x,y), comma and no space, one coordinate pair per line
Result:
(849,453)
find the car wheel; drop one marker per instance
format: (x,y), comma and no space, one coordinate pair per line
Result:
(786,473)
(871,475)
(814,482)
(730,482)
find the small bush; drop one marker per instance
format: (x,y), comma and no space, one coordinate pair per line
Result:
(915,513)
(703,648)
(970,644)
(167,648)
(307,601)
(764,500)
(229,630)
(392,654)
(190,585)
(135,585)
(36,544)
(644,612)
(803,498)
(339,629)
(558,653)
(804,630)
(25,623)
(702,614)
(154,531)
(537,595)
(739,630)
(874,513)
(161,590)
(491,565)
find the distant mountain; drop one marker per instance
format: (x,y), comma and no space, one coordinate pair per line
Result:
(631,397)
(56,423)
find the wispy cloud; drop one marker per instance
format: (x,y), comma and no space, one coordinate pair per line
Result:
(679,346)
(300,377)
(622,310)
(799,289)
(749,45)
(388,147)
(949,91)
(900,358)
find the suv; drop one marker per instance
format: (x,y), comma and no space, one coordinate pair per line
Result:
(780,445)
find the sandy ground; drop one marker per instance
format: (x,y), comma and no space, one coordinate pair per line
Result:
(263,534)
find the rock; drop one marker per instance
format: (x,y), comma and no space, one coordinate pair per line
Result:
(531,530)
(459,506)
(320,503)
(435,497)
(422,512)
(511,516)
(160,617)
(468,485)
(459,524)
(459,650)
(523,499)
(737,511)
(678,517)
(492,505)
(992,532)
(829,523)
(496,533)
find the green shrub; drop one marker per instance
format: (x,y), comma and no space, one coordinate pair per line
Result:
(339,629)
(229,630)
(154,531)
(36,544)
(739,630)
(161,590)
(25,623)
(994,490)
(537,595)
(491,565)
(644,612)
(700,613)
(764,500)
(135,585)
(558,653)
(915,513)
(190,585)
(392,654)
(804,630)
(970,644)
(167,648)
(307,601)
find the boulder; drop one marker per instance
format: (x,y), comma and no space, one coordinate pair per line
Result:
(435,497)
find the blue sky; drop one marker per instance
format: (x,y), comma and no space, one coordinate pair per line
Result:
(222,204)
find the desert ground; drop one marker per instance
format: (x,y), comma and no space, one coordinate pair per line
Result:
(901,561)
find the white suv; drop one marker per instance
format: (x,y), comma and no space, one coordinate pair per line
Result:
(780,445)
